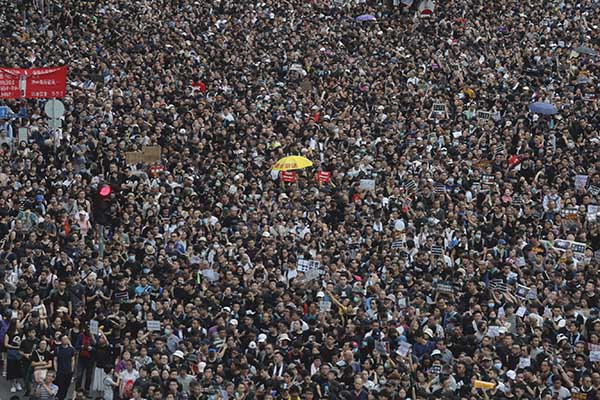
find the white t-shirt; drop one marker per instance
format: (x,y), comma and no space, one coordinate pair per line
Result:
(127,376)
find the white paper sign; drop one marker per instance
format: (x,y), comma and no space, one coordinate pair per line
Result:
(592,213)
(153,325)
(325,306)
(308,265)
(524,362)
(94,327)
(521,311)
(594,356)
(310,276)
(580,181)
(578,248)
(522,291)
(403,349)
(493,331)
(367,184)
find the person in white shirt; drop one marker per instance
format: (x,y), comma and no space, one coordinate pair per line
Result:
(127,379)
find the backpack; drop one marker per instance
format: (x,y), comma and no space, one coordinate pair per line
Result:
(85,342)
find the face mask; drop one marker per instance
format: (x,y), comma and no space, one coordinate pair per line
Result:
(168,331)
(357,299)
(146,270)
(478,236)
(491,305)
(498,365)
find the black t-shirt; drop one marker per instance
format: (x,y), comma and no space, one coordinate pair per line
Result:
(90,292)
(143,384)
(38,356)
(77,292)
(123,297)
(155,293)
(104,356)
(327,354)
(27,346)
(60,300)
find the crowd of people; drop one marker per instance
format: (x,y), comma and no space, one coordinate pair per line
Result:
(451,252)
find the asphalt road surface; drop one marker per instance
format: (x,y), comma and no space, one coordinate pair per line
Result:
(5,393)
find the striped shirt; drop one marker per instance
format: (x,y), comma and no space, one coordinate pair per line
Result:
(43,393)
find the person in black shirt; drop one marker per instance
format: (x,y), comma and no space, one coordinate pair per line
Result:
(26,349)
(41,361)
(156,290)
(12,344)
(90,294)
(60,298)
(103,354)
(64,359)
(77,292)
(123,295)
(142,382)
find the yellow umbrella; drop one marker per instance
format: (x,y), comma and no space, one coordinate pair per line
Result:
(291,163)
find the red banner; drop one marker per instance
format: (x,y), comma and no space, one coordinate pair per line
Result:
(10,87)
(288,176)
(323,177)
(47,83)
(34,83)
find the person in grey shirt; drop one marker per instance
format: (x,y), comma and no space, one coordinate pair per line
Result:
(184,379)
(46,390)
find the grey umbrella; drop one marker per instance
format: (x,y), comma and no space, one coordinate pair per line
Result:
(585,50)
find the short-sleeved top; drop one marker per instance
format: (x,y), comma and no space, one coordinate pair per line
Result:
(64,357)
(38,356)
(60,300)
(44,394)
(27,346)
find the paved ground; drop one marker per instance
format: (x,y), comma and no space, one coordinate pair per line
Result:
(5,393)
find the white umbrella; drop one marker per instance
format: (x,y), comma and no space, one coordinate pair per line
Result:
(426,8)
